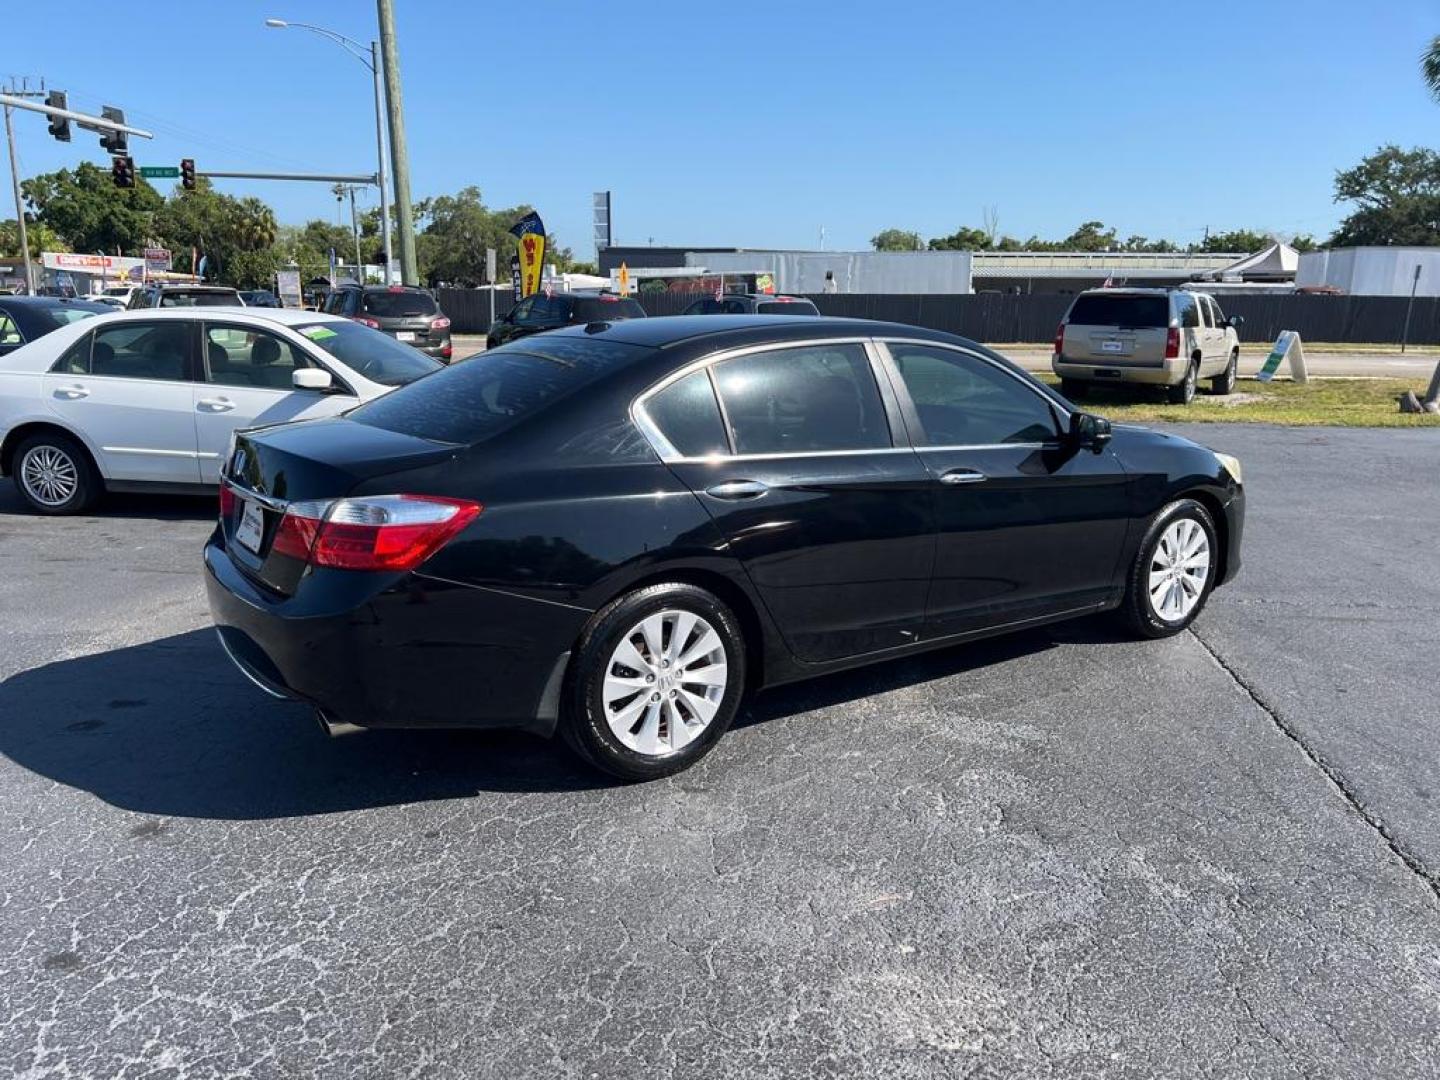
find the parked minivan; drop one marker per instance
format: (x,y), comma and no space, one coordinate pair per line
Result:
(1165,337)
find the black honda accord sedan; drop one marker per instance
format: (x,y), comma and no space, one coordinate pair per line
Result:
(618,530)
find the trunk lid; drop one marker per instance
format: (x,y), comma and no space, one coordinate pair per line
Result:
(271,468)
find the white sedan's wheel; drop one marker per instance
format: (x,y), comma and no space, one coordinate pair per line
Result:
(48,475)
(664,682)
(1179,570)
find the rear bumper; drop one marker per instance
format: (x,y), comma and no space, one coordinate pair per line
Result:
(415,652)
(1168,374)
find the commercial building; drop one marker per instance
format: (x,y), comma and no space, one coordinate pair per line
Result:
(927,272)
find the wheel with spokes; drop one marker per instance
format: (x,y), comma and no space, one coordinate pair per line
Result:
(54,474)
(655,682)
(1173,571)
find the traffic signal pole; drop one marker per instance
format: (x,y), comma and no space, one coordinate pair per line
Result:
(19,205)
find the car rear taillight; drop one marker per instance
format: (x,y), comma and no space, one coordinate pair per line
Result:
(441,323)
(1172,343)
(367,322)
(374,532)
(227,501)
(1059,339)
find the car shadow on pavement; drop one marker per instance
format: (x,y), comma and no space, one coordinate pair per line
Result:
(140,507)
(170,728)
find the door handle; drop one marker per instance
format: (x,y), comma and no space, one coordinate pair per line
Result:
(738,489)
(216,404)
(962,476)
(70,393)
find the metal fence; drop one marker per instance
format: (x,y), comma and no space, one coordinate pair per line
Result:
(988,317)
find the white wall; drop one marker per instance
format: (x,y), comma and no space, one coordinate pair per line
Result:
(1372,271)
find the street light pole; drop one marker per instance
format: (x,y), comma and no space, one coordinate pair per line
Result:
(371,59)
(399,155)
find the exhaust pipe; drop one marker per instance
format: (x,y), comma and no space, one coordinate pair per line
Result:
(335,728)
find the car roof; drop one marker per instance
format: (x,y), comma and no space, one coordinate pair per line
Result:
(281,316)
(1134,290)
(727,331)
(51,301)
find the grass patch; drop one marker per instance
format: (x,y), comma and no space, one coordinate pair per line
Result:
(1321,402)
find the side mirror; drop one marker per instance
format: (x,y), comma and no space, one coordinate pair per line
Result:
(1236,320)
(1089,432)
(312,378)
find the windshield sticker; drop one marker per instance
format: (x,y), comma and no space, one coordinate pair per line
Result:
(318,333)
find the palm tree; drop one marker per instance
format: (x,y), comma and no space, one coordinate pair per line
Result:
(1430,67)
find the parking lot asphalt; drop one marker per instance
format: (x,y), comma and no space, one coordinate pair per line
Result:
(1059,853)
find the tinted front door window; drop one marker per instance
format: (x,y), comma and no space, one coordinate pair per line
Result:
(1028,526)
(963,401)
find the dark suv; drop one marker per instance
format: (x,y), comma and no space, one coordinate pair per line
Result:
(406,313)
(752,304)
(148,296)
(538,313)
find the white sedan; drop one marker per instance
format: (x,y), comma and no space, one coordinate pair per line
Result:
(147,400)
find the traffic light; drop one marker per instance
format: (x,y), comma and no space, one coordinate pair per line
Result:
(116,142)
(187,173)
(122,171)
(59,125)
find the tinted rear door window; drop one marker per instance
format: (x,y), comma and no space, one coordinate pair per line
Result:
(600,309)
(469,402)
(806,400)
(1120,310)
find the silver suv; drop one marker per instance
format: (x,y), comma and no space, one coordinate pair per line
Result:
(1165,337)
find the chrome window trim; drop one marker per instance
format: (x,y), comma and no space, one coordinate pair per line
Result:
(668,453)
(716,458)
(1063,413)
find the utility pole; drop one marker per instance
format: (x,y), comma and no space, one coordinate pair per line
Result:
(15,185)
(378,72)
(399,156)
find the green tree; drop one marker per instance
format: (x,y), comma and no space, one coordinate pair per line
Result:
(236,236)
(962,239)
(1244,241)
(1430,67)
(457,229)
(897,240)
(1090,236)
(38,235)
(1396,194)
(87,210)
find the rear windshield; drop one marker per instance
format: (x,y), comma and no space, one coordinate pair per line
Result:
(376,356)
(786,307)
(58,316)
(604,308)
(1096,309)
(471,401)
(199,299)
(398,305)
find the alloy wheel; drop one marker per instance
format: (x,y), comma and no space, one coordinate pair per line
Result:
(1179,569)
(664,682)
(49,476)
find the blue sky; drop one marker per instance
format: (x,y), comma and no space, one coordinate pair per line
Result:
(760,124)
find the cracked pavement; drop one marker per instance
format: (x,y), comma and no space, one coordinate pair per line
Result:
(1059,853)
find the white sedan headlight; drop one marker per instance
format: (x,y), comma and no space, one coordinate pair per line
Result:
(1231,463)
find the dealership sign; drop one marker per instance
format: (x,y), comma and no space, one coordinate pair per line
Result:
(157,259)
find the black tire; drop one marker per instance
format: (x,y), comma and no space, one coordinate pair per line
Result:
(1183,392)
(1224,383)
(1138,610)
(1074,389)
(584,722)
(77,466)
